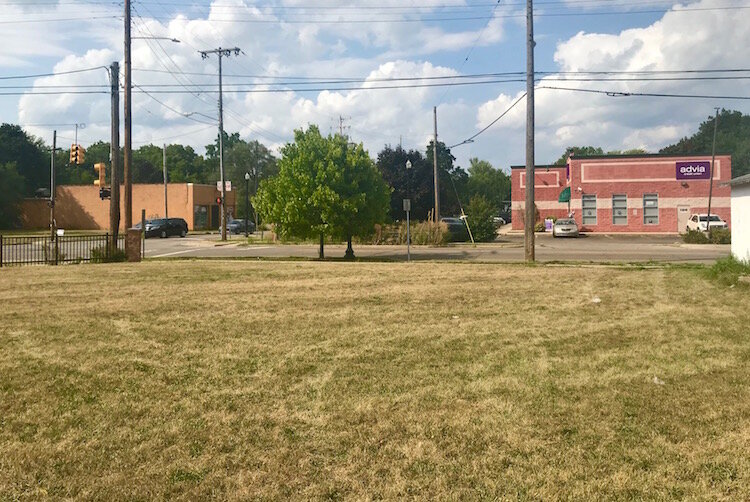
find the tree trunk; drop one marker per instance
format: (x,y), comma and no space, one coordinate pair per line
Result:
(320,252)
(349,255)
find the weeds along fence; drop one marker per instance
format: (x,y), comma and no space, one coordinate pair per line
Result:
(40,250)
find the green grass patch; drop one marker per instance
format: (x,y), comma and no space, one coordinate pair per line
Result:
(299,380)
(727,271)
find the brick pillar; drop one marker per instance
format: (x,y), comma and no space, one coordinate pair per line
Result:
(133,245)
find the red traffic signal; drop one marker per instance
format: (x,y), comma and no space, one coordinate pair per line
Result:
(218,200)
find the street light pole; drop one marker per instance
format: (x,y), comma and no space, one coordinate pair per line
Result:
(247,199)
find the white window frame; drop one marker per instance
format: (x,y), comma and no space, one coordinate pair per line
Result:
(589,197)
(650,196)
(624,198)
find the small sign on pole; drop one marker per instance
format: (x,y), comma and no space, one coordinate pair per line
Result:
(227,185)
(407,204)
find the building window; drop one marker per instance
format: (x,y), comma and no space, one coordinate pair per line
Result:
(650,209)
(619,209)
(588,203)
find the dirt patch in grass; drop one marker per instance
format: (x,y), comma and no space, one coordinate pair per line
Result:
(237,380)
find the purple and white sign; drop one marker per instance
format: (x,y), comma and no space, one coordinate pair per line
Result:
(694,170)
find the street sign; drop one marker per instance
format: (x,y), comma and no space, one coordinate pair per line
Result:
(407,204)
(227,185)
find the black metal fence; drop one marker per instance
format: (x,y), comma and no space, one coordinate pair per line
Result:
(23,250)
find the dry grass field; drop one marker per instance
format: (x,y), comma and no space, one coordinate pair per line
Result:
(196,380)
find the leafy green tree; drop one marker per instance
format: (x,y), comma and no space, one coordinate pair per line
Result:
(392,166)
(480,214)
(490,183)
(632,151)
(248,157)
(11,193)
(732,136)
(578,151)
(186,166)
(29,154)
(325,187)
(72,174)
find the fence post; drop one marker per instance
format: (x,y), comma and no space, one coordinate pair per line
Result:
(1,250)
(57,249)
(107,244)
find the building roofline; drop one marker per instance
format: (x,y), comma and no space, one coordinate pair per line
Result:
(547,166)
(648,155)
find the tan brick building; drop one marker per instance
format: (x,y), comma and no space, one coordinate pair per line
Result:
(78,207)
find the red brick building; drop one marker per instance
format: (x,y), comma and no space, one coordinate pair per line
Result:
(626,193)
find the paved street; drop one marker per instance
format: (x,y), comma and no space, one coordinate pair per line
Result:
(509,248)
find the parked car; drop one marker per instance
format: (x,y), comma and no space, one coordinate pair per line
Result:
(456,228)
(565,227)
(499,221)
(164,227)
(697,222)
(238,226)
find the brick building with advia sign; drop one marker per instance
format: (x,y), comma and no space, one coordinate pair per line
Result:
(626,193)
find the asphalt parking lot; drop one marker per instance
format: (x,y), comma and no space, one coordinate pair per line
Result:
(508,248)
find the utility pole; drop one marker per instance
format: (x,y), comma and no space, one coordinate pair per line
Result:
(128,109)
(114,153)
(435,168)
(529,213)
(52,224)
(221,53)
(711,182)
(164,163)
(255,178)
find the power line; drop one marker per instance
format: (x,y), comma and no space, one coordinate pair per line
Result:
(617,94)
(210,87)
(178,112)
(57,20)
(465,18)
(471,138)
(52,74)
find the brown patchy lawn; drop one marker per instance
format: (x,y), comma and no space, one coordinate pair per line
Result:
(299,380)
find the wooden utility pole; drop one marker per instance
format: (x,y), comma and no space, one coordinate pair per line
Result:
(52,224)
(435,167)
(114,153)
(711,182)
(164,164)
(529,213)
(128,140)
(222,53)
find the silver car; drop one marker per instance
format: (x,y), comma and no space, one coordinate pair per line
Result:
(565,227)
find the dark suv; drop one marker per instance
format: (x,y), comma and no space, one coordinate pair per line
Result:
(164,227)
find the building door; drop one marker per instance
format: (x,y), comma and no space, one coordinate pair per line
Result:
(683,213)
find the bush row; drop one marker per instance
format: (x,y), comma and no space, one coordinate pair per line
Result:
(718,236)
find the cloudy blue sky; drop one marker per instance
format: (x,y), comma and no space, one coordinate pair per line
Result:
(344,51)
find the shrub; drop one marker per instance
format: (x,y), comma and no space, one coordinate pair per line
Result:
(721,236)
(728,270)
(422,232)
(101,255)
(480,216)
(425,233)
(539,227)
(695,237)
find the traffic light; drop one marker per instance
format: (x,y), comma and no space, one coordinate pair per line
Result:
(218,200)
(101,168)
(77,154)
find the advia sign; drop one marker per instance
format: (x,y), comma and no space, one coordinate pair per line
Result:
(696,170)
